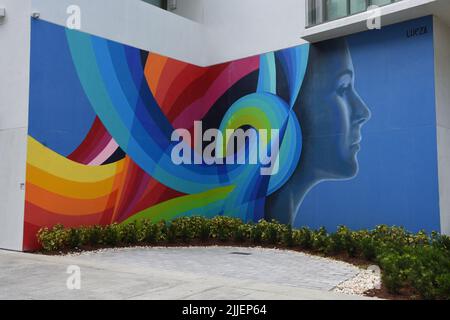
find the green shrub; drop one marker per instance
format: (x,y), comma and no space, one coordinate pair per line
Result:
(287,237)
(344,240)
(424,268)
(395,267)
(53,239)
(74,239)
(223,228)
(303,238)
(204,229)
(111,235)
(150,232)
(256,233)
(164,230)
(321,241)
(368,246)
(129,233)
(440,241)
(172,232)
(199,227)
(94,235)
(443,286)
(182,229)
(84,233)
(240,233)
(392,237)
(429,271)
(421,238)
(269,232)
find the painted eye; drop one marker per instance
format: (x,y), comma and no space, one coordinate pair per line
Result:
(343,89)
(344,84)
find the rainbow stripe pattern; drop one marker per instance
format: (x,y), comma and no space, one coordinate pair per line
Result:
(101,117)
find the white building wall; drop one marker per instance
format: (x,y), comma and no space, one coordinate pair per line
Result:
(237,28)
(135,23)
(442,81)
(14,84)
(242,28)
(201,32)
(191,9)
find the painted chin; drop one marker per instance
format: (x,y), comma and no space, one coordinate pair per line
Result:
(354,148)
(350,169)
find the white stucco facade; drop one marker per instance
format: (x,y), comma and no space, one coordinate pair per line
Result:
(14,82)
(442,83)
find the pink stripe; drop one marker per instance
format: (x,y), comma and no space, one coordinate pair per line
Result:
(104,155)
(101,144)
(232,74)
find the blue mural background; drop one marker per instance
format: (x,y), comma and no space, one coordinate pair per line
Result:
(397,181)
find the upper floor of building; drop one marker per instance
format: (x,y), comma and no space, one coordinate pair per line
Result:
(207,32)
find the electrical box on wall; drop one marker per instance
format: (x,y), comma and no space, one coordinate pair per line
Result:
(2,12)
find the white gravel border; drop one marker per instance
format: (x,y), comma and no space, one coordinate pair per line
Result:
(364,281)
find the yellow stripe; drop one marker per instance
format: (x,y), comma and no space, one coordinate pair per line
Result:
(51,162)
(66,188)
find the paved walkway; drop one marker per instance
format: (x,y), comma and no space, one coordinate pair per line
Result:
(175,273)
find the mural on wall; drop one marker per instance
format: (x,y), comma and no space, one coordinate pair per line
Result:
(331,114)
(103,116)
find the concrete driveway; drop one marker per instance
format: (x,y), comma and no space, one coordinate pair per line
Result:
(173,273)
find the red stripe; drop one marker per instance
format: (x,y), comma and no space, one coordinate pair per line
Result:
(196,90)
(96,140)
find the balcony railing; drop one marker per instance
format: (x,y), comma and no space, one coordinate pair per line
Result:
(321,11)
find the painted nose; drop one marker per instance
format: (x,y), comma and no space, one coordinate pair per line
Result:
(360,112)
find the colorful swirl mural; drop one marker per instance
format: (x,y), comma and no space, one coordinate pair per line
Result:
(99,145)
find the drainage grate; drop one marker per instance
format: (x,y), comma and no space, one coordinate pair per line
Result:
(241,253)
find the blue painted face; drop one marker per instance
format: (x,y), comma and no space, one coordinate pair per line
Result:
(331,114)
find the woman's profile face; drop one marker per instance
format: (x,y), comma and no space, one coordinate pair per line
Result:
(331,112)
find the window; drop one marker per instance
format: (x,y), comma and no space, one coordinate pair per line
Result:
(159,3)
(320,11)
(335,9)
(357,6)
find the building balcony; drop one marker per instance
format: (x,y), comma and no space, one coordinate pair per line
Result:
(327,19)
(321,11)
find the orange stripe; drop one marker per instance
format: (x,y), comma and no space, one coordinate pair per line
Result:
(172,69)
(64,205)
(153,70)
(67,188)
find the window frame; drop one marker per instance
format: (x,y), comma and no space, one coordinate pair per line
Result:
(317,11)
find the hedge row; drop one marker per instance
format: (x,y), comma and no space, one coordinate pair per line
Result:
(419,261)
